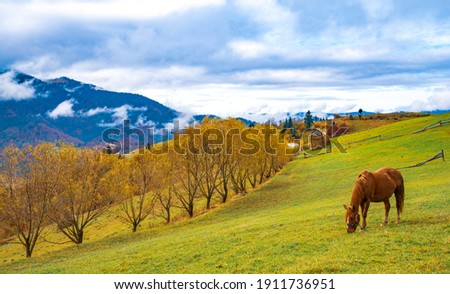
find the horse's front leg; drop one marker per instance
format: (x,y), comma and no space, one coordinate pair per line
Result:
(387,207)
(364,209)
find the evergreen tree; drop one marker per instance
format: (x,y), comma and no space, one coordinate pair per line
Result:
(285,126)
(308,119)
(109,150)
(290,124)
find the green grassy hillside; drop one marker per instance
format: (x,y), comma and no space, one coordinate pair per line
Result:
(292,224)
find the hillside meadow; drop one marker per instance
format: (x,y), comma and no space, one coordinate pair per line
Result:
(291,224)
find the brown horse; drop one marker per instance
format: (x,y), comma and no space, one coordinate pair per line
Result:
(374,187)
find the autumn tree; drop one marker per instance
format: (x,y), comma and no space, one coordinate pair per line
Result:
(258,162)
(85,195)
(165,180)
(249,154)
(244,173)
(299,128)
(30,181)
(137,176)
(212,142)
(227,160)
(239,176)
(275,148)
(189,165)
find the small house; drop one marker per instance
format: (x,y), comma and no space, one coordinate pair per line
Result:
(318,140)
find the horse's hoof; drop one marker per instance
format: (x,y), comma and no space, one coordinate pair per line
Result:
(363,229)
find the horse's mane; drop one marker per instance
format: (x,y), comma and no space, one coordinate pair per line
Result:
(363,177)
(359,190)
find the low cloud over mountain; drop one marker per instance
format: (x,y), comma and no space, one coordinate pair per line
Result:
(32,110)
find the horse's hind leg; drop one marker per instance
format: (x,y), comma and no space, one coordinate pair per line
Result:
(399,197)
(387,207)
(399,211)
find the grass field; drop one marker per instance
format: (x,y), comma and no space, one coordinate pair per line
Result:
(291,224)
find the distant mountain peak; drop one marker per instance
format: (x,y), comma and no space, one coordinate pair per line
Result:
(61,80)
(17,76)
(70,110)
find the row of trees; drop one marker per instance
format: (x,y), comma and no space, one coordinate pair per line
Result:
(70,188)
(43,184)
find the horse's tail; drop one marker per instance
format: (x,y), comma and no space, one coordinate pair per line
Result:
(400,194)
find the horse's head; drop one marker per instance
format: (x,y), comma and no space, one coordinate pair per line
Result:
(351,218)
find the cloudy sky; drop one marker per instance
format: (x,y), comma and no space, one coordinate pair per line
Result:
(240,57)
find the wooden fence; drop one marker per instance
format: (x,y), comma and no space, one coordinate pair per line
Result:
(435,125)
(437,156)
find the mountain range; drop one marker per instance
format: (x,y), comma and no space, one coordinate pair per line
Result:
(62,109)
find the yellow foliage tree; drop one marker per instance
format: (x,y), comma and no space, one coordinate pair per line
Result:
(30,181)
(85,195)
(133,179)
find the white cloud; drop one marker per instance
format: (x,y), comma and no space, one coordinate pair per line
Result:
(439,100)
(184,120)
(142,121)
(38,66)
(395,40)
(278,21)
(122,79)
(119,114)
(64,109)
(41,14)
(244,56)
(279,34)
(376,9)
(266,11)
(342,108)
(194,90)
(249,49)
(11,90)
(95,111)
(298,76)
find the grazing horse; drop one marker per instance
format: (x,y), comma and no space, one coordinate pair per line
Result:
(374,187)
